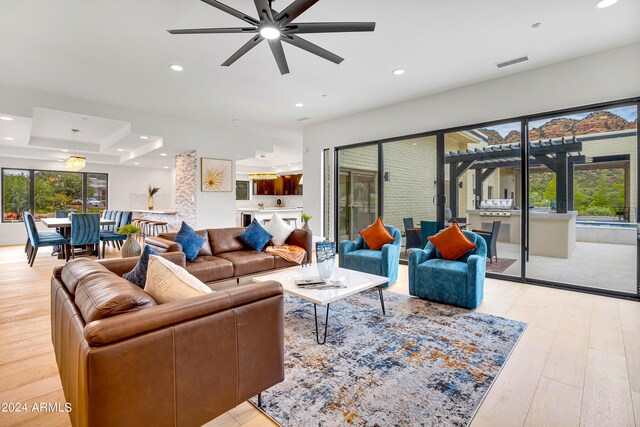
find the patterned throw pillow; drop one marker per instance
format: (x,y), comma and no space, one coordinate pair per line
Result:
(255,237)
(138,276)
(168,282)
(279,229)
(190,240)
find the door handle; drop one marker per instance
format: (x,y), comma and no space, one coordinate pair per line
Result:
(434,199)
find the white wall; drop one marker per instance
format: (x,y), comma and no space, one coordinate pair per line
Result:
(213,209)
(127,189)
(604,76)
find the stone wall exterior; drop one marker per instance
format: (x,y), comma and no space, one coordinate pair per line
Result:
(186,188)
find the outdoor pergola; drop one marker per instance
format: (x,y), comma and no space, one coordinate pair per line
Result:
(559,156)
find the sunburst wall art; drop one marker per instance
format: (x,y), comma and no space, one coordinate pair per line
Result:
(216,175)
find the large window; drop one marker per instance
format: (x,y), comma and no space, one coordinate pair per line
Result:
(47,193)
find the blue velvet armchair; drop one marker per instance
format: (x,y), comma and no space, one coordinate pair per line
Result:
(459,282)
(356,255)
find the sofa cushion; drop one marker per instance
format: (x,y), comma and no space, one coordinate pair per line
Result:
(364,260)
(138,276)
(76,270)
(210,268)
(249,262)
(225,239)
(255,237)
(279,230)
(191,241)
(166,282)
(105,294)
(280,262)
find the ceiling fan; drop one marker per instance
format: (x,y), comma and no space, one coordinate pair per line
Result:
(277,27)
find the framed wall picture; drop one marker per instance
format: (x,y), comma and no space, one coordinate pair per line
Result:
(216,175)
(242,190)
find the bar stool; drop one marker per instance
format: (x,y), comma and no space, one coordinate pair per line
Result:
(156,227)
(142,224)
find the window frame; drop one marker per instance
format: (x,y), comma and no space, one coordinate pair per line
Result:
(32,196)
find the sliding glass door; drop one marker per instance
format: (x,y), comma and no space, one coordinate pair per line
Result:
(583,189)
(410,188)
(357,190)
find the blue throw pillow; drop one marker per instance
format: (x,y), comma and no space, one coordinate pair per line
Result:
(138,276)
(255,237)
(190,241)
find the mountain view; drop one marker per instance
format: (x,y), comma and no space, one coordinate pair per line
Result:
(596,122)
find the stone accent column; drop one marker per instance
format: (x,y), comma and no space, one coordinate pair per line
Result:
(186,188)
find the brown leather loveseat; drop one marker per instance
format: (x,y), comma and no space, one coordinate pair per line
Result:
(124,360)
(224,257)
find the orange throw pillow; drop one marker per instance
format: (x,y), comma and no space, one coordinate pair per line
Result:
(452,243)
(376,235)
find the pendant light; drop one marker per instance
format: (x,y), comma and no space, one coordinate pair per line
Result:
(75,163)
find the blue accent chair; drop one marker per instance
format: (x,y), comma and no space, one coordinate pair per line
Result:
(356,255)
(121,219)
(38,239)
(459,282)
(85,230)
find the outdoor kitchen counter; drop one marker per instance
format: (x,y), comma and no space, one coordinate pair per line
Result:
(551,234)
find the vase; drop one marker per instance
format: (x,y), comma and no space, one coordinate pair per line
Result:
(325,255)
(130,247)
(305,226)
(150,203)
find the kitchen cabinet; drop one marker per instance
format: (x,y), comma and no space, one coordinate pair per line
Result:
(287,185)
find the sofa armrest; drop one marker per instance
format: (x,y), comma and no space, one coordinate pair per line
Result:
(304,239)
(119,328)
(160,245)
(121,266)
(476,272)
(390,261)
(417,257)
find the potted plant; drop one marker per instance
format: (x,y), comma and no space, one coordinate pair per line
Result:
(152,192)
(306,218)
(131,247)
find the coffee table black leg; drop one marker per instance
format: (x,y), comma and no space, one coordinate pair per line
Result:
(381,300)
(326,323)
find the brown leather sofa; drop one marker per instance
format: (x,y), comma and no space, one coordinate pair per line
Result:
(124,360)
(224,257)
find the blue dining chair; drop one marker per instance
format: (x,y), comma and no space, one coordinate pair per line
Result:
(121,219)
(85,230)
(38,239)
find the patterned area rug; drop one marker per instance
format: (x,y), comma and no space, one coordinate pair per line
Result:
(421,364)
(500,265)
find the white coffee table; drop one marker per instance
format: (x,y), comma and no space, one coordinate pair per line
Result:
(355,282)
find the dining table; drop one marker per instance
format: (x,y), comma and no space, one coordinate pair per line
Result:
(64,225)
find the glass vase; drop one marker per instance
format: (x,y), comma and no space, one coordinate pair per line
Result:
(325,255)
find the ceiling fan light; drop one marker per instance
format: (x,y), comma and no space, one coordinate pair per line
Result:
(269,32)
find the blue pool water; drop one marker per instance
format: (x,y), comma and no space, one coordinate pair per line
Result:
(606,224)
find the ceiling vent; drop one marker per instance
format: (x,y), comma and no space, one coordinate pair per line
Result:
(302,119)
(512,61)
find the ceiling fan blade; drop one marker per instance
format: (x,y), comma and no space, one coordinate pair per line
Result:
(215,30)
(278,53)
(330,27)
(295,9)
(244,49)
(231,11)
(264,10)
(312,48)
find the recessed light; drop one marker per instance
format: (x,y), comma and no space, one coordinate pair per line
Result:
(269,32)
(398,72)
(166,167)
(536,25)
(136,163)
(8,138)
(163,154)
(120,150)
(605,3)
(176,67)
(144,137)
(299,105)
(5,118)
(64,150)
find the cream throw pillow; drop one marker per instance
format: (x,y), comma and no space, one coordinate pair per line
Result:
(279,229)
(168,282)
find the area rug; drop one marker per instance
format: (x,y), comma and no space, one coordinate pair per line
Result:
(500,265)
(421,364)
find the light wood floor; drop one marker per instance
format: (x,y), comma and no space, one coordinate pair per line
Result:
(578,362)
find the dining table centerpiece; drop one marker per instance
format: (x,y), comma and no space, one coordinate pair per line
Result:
(130,247)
